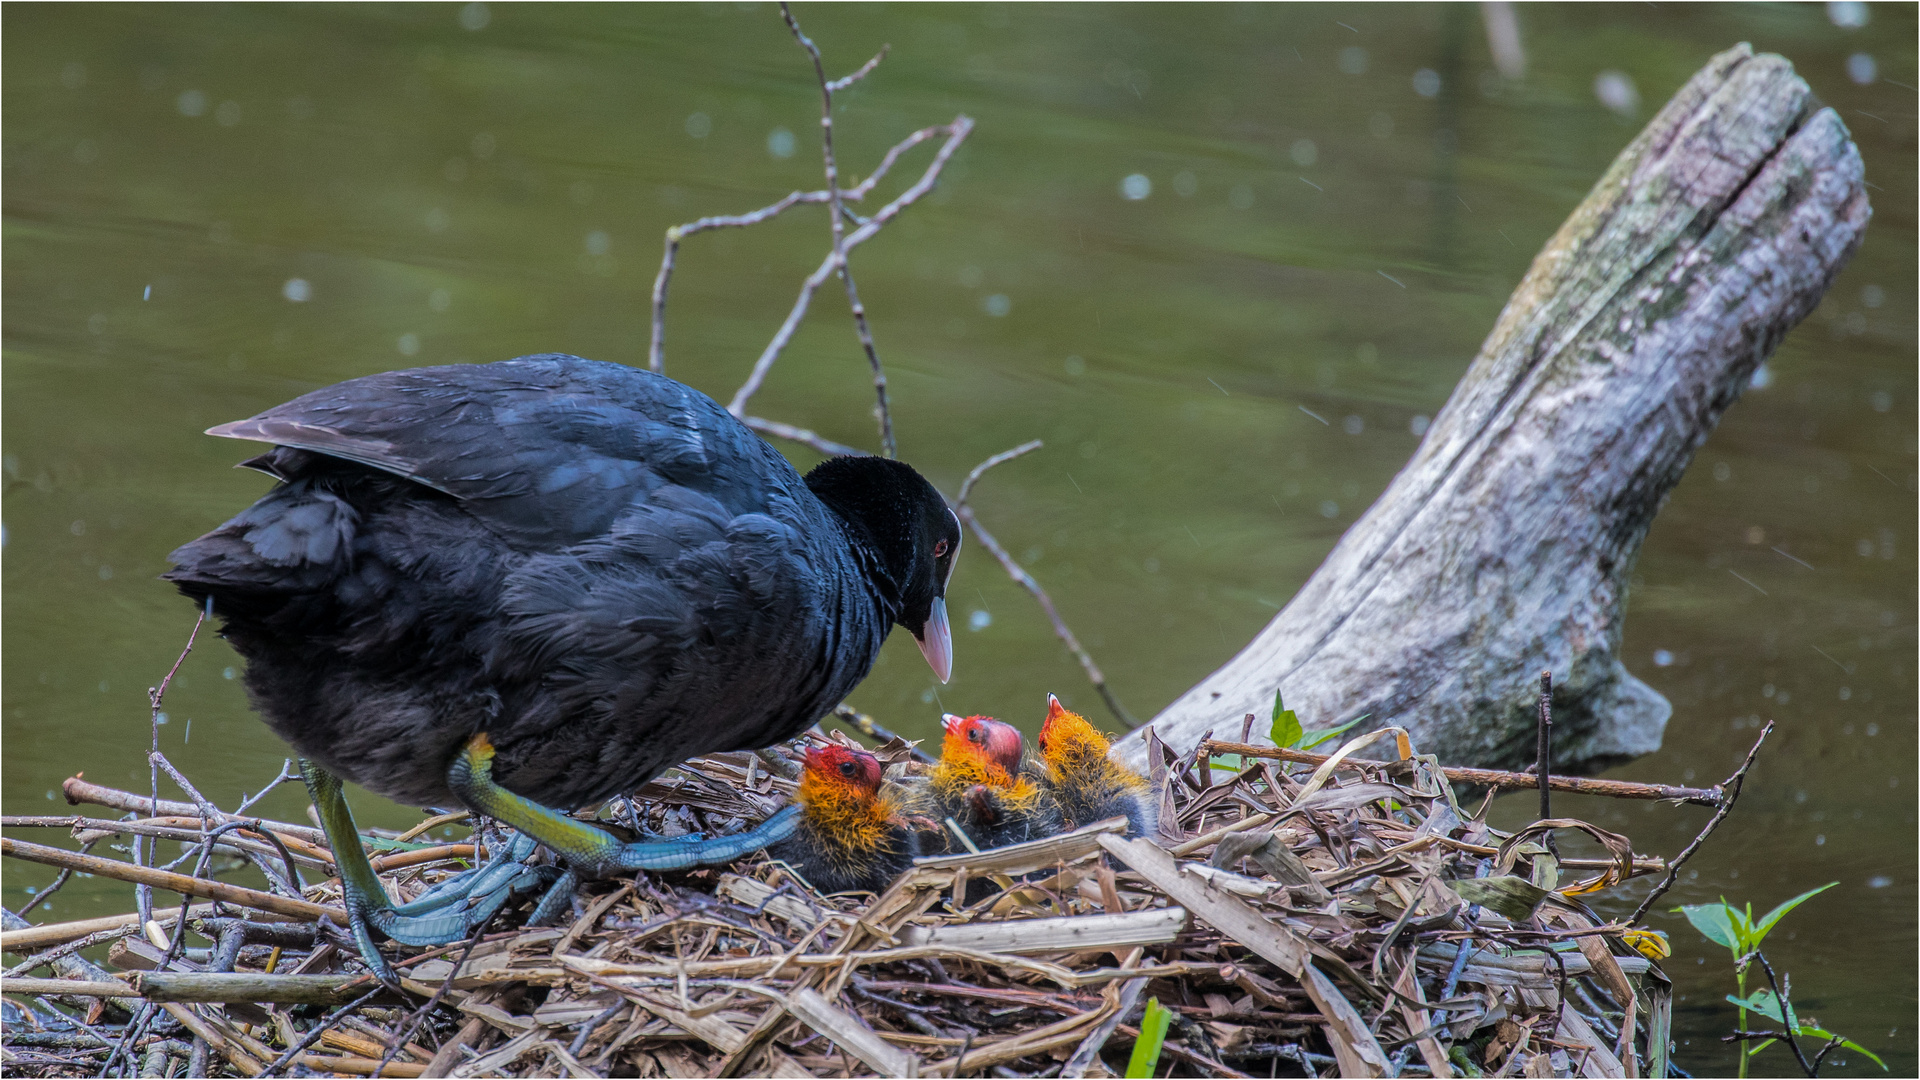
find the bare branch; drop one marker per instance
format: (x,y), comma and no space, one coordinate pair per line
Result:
(656,352)
(866,69)
(1732,788)
(956,133)
(803,436)
(882,411)
(1019,574)
(1003,456)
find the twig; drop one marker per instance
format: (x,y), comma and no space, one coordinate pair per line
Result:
(1789,1022)
(1499,779)
(881,410)
(319,1029)
(656,352)
(1732,789)
(1544,757)
(59,880)
(1018,573)
(872,729)
(803,436)
(956,133)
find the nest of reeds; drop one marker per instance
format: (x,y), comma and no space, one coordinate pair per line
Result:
(1318,916)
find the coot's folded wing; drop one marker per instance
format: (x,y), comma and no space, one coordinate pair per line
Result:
(546,450)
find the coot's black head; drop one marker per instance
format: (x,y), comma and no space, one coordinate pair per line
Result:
(912,539)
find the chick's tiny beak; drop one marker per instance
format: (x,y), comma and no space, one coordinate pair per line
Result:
(936,640)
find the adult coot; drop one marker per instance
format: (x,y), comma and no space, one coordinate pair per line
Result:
(533,585)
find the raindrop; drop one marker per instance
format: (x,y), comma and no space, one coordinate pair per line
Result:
(699,125)
(1353,60)
(1846,693)
(1762,377)
(1662,658)
(297,290)
(191,103)
(437,220)
(226,673)
(1426,82)
(97,323)
(1185,185)
(979,621)
(106,572)
(228,114)
(78,528)
(439,299)
(1848,14)
(160,718)
(1873,729)
(580,192)
(483,146)
(1820,840)
(1136,187)
(1303,152)
(1151,565)
(1329,508)
(409,344)
(1616,91)
(1767,690)
(780,143)
(1076,366)
(1722,471)
(1880,400)
(971,277)
(1418,425)
(1878,881)
(73,75)
(1873,296)
(475,16)
(598,242)
(998,305)
(1353,425)
(1862,69)
(1241,197)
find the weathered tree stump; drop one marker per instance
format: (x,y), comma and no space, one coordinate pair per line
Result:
(1504,547)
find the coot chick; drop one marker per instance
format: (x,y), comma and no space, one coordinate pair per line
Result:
(851,835)
(1089,785)
(532,585)
(981,782)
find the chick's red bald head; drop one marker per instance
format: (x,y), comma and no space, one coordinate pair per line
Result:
(843,766)
(997,741)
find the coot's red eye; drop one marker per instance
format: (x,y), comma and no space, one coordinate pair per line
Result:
(939,548)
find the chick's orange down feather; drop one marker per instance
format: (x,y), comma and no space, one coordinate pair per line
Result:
(979,782)
(851,836)
(1088,785)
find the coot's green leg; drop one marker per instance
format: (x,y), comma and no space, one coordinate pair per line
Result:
(444,915)
(592,852)
(360,888)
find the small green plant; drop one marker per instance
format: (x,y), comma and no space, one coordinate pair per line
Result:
(1767,1005)
(1288,734)
(1737,929)
(1153,1033)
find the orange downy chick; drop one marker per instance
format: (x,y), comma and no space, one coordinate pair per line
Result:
(851,836)
(979,782)
(1089,785)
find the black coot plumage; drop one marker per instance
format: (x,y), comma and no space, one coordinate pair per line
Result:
(596,569)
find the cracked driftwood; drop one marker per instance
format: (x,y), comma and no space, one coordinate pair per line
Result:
(1505,546)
